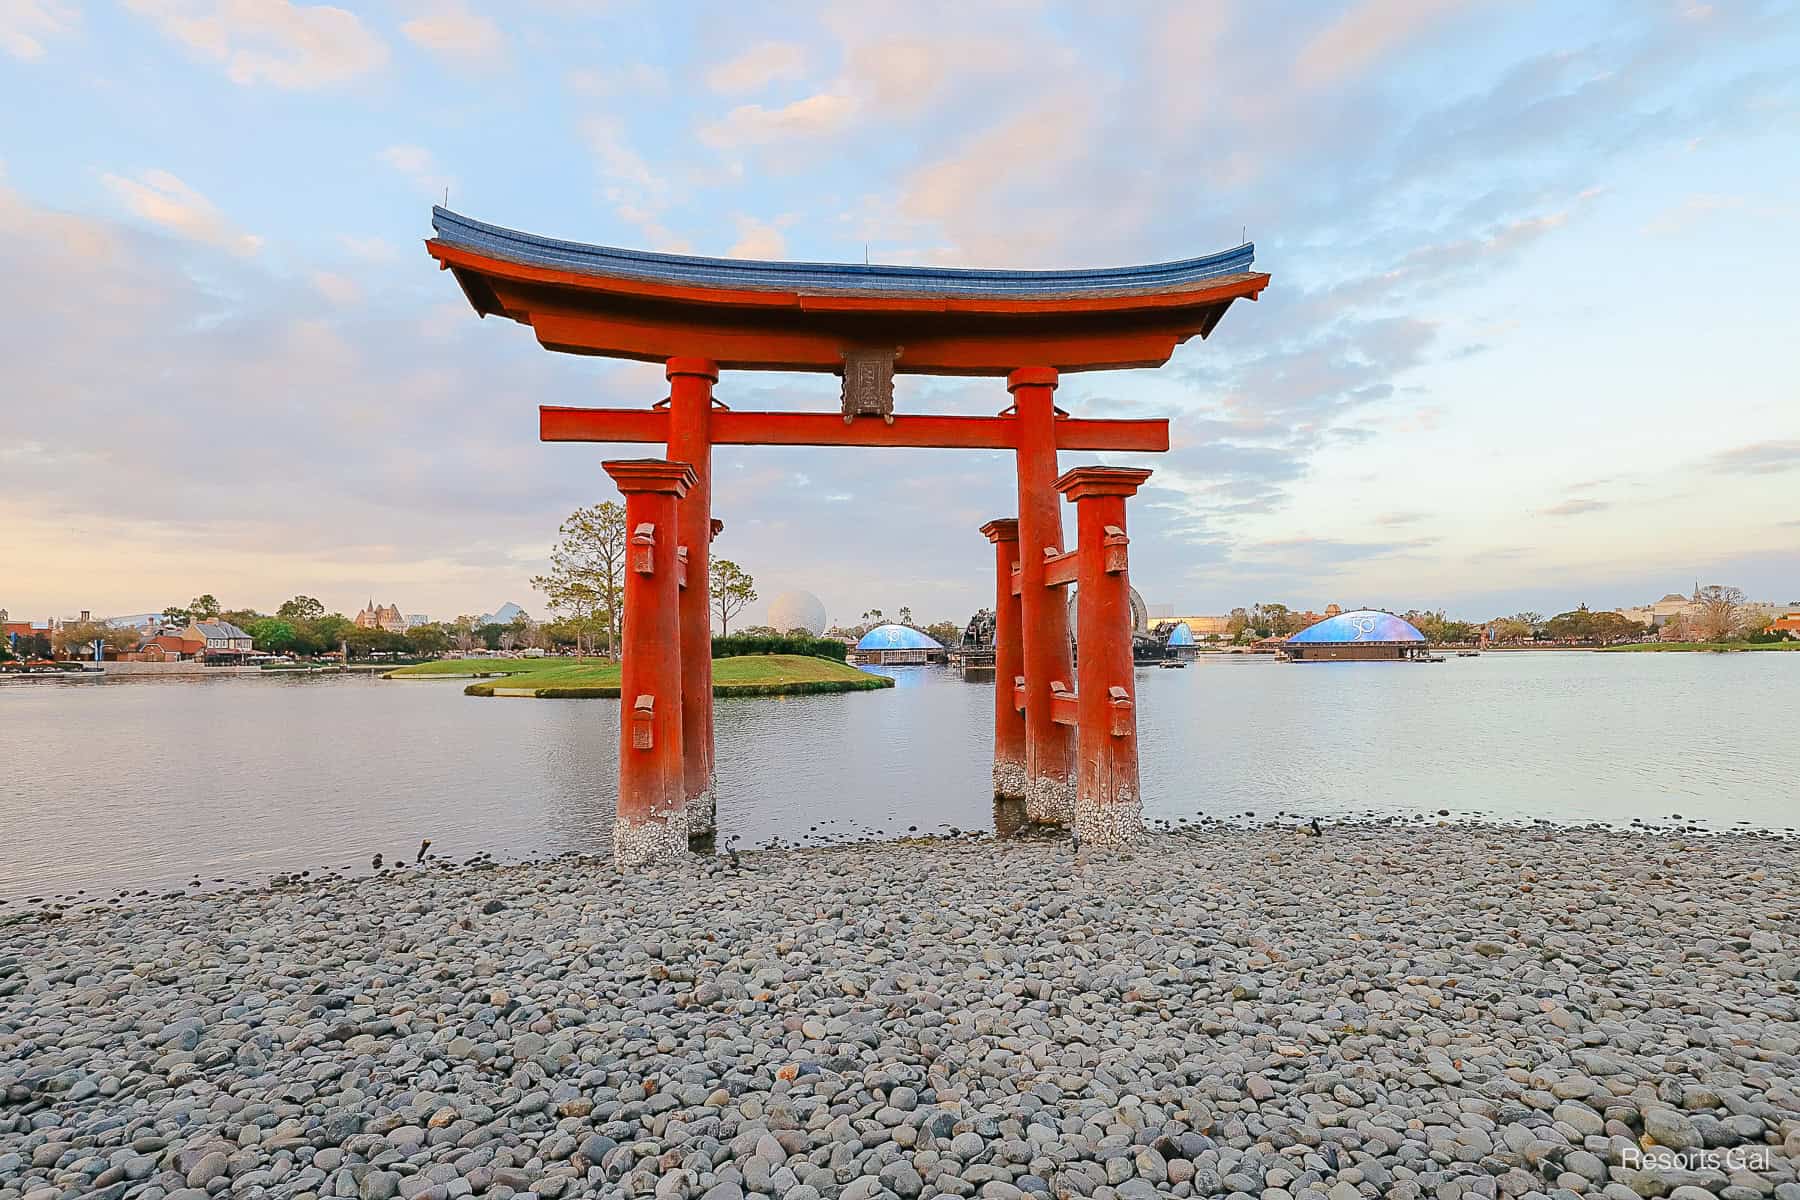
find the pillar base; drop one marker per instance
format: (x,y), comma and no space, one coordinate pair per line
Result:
(1050,801)
(1009,781)
(652,842)
(702,813)
(1120,823)
(1009,816)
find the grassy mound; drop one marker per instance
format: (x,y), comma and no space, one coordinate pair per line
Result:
(595,678)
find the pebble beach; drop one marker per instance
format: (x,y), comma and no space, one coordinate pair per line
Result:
(1385,1011)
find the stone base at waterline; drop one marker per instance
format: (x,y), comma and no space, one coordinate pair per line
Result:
(649,842)
(1009,780)
(1050,801)
(1009,816)
(1119,823)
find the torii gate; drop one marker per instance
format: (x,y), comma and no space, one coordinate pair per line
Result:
(1070,753)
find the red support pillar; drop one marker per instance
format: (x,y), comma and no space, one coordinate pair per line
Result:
(652,823)
(690,441)
(1108,810)
(1043,612)
(1009,663)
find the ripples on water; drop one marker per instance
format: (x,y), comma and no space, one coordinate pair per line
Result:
(147,783)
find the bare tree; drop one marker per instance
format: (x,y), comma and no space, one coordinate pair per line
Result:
(587,569)
(1719,613)
(732,590)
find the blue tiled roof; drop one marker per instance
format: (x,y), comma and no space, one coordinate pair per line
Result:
(454,229)
(897,637)
(1181,635)
(1364,625)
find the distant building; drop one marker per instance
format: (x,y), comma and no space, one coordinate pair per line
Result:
(168,645)
(1362,636)
(219,638)
(389,618)
(1788,624)
(897,645)
(414,620)
(1205,627)
(506,614)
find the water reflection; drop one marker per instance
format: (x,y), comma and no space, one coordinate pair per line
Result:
(239,778)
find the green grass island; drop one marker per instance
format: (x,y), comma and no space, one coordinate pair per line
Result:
(598,678)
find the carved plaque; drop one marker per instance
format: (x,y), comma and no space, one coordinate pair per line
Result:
(869,384)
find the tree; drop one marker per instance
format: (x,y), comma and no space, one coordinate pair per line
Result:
(1511,629)
(176,615)
(732,591)
(1719,614)
(273,634)
(300,608)
(586,581)
(948,633)
(873,617)
(429,639)
(905,617)
(76,639)
(203,608)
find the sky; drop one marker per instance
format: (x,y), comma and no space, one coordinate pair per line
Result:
(1529,340)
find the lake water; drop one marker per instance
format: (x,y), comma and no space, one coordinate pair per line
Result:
(148,783)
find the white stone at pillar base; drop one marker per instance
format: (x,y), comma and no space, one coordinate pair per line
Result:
(650,842)
(1009,780)
(702,812)
(1050,801)
(1119,823)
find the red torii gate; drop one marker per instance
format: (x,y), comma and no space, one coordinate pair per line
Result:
(1069,753)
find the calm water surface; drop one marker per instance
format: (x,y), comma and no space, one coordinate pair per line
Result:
(147,783)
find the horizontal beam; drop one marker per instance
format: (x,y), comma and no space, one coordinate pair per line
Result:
(1059,569)
(732,428)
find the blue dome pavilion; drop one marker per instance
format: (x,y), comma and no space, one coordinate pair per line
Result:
(897,644)
(1366,635)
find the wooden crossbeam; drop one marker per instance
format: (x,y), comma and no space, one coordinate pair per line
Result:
(734,428)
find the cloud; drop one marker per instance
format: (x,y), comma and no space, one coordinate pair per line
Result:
(1362,35)
(296,46)
(163,199)
(1576,506)
(757,67)
(1400,518)
(453,32)
(749,125)
(341,290)
(1758,458)
(418,164)
(25,25)
(757,239)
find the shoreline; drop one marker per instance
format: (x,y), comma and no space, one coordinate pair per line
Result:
(1392,1009)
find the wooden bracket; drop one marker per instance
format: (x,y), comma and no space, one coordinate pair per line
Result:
(1062,703)
(1059,568)
(1019,693)
(681,561)
(1119,712)
(1114,547)
(1017,586)
(643,722)
(643,549)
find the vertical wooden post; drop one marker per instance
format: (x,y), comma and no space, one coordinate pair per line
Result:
(1043,613)
(1009,663)
(1108,810)
(652,823)
(690,441)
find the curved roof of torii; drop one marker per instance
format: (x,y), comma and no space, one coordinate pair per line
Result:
(746,313)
